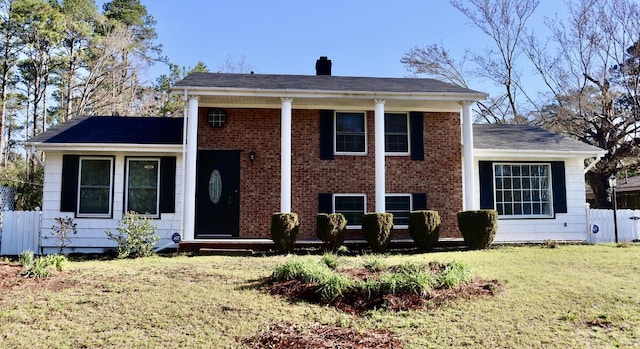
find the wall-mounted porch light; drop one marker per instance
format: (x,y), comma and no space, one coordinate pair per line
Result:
(252,156)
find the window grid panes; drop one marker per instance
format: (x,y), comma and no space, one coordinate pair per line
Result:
(351,206)
(350,133)
(396,133)
(94,189)
(142,186)
(399,206)
(523,189)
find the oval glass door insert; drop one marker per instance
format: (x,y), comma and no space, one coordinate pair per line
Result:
(215,186)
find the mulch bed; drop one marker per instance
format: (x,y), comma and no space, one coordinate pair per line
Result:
(288,336)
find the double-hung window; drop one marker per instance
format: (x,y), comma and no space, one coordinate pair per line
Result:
(400,206)
(95,187)
(142,186)
(352,206)
(523,189)
(351,133)
(396,133)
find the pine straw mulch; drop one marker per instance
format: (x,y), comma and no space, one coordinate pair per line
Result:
(291,336)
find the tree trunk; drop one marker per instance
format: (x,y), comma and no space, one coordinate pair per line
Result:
(599,184)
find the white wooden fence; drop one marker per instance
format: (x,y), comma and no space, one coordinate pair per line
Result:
(20,231)
(602,228)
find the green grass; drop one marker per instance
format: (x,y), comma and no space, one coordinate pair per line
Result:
(565,297)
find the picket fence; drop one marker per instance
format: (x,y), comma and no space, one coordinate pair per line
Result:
(602,227)
(20,231)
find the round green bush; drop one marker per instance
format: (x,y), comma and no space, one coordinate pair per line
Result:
(330,228)
(377,229)
(284,230)
(424,228)
(478,227)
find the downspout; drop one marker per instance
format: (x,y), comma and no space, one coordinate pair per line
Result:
(33,155)
(184,158)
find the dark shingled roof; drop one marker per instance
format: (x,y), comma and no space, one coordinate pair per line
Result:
(114,130)
(525,137)
(320,83)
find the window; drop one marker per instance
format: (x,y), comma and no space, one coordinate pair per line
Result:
(217,118)
(400,206)
(143,179)
(523,189)
(351,133)
(94,189)
(396,133)
(352,206)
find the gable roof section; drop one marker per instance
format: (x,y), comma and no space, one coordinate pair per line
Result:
(508,138)
(324,83)
(114,130)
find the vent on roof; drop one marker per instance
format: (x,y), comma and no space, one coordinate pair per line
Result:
(323,66)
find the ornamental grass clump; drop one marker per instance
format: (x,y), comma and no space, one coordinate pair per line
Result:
(454,274)
(330,284)
(424,228)
(478,227)
(43,266)
(284,231)
(331,229)
(377,229)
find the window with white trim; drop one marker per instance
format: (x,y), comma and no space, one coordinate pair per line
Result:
(351,133)
(142,186)
(95,187)
(396,133)
(352,206)
(400,206)
(523,189)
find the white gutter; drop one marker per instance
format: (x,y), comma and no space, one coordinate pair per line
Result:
(35,156)
(124,147)
(297,93)
(506,153)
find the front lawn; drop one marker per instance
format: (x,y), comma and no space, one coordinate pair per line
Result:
(570,296)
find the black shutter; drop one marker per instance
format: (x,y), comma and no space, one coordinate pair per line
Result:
(69,192)
(325,203)
(559,187)
(168,184)
(486,184)
(419,201)
(326,134)
(416,129)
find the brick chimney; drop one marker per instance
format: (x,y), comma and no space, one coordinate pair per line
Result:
(323,66)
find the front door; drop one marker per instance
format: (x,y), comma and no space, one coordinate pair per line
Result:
(217,194)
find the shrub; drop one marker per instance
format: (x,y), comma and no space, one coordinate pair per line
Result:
(284,230)
(424,228)
(61,231)
(378,230)
(136,236)
(478,228)
(330,228)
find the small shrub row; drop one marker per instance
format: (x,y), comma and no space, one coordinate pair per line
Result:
(478,229)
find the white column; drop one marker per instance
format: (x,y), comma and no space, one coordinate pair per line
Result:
(467,165)
(188,230)
(285,155)
(379,155)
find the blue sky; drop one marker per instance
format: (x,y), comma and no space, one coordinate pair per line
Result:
(361,37)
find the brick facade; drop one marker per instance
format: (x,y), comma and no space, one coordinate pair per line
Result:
(439,175)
